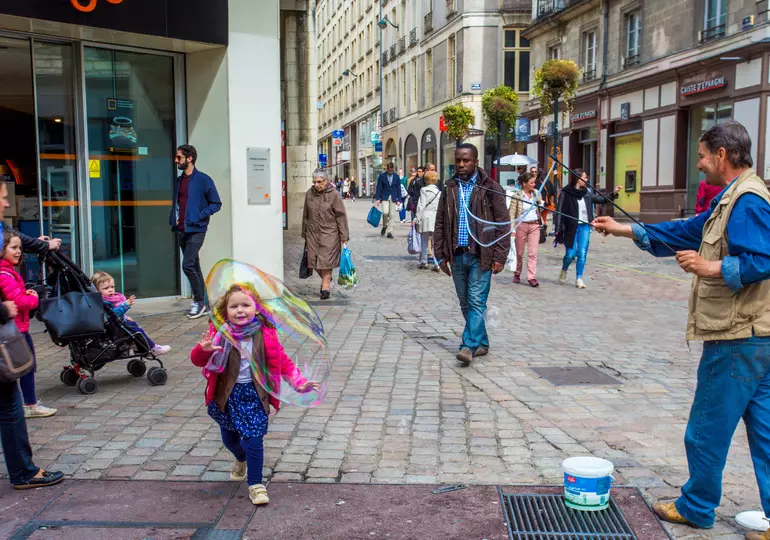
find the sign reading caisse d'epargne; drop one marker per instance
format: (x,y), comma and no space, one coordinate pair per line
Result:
(703,86)
(200,20)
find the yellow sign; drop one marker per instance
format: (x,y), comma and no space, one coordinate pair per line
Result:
(94,168)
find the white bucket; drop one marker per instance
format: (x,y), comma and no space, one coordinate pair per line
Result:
(587,482)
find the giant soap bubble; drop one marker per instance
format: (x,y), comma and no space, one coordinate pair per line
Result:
(300,330)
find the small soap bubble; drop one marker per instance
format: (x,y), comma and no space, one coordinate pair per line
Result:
(492,316)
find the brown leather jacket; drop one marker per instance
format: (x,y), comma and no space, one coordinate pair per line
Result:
(487,204)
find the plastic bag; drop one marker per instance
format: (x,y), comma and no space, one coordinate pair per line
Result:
(375,214)
(510,262)
(347,278)
(414,242)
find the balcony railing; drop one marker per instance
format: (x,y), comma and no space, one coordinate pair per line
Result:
(589,74)
(428,22)
(385,59)
(631,61)
(715,32)
(393,115)
(547,7)
(413,37)
(393,51)
(402,45)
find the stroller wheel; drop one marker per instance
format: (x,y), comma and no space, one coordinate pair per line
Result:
(87,386)
(136,368)
(68,376)
(157,376)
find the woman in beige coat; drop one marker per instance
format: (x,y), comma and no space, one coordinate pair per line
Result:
(526,208)
(324,228)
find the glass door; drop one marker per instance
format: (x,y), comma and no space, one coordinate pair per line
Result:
(131,126)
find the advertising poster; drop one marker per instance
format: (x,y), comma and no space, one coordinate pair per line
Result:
(122,133)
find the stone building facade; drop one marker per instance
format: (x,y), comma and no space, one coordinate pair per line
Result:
(655,75)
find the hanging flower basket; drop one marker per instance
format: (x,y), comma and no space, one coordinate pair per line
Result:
(458,119)
(500,106)
(554,80)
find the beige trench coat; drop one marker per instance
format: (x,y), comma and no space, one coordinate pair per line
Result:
(324,227)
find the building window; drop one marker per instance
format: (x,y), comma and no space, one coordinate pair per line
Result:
(633,39)
(714,19)
(554,52)
(429,79)
(413,88)
(589,55)
(451,78)
(515,61)
(403,91)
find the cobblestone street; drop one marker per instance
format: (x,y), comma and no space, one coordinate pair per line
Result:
(401,409)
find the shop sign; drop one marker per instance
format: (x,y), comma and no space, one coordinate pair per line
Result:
(375,137)
(625,111)
(428,138)
(473,132)
(87,6)
(322,160)
(441,123)
(522,129)
(476,86)
(336,141)
(378,146)
(714,83)
(258,175)
(585,115)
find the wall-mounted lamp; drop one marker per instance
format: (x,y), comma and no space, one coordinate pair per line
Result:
(384,22)
(348,73)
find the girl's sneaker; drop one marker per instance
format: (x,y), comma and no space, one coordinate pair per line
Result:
(258,494)
(160,350)
(238,472)
(38,410)
(579,284)
(563,277)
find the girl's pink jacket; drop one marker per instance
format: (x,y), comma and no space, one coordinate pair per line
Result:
(278,365)
(13,289)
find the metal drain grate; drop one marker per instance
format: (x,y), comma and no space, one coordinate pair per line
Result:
(546,517)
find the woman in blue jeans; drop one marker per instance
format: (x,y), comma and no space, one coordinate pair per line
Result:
(574,231)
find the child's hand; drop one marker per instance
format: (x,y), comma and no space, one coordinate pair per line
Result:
(207,342)
(131,299)
(129,319)
(32,292)
(308,386)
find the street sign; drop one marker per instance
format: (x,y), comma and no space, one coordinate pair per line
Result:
(337,141)
(378,146)
(338,134)
(473,132)
(322,160)
(375,137)
(476,86)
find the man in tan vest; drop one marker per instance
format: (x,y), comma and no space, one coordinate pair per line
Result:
(727,249)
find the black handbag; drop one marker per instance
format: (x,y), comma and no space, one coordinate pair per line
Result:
(304,271)
(16,358)
(76,314)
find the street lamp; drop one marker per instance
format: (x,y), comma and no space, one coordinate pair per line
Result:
(349,73)
(385,21)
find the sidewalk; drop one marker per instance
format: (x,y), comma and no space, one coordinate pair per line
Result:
(402,410)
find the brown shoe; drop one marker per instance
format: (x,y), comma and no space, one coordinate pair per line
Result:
(668,512)
(754,535)
(481,351)
(465,355)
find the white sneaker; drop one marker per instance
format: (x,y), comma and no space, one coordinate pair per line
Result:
(579,284)
(563,277)
(160,350)
(258,494)
(38,410)
(238,472)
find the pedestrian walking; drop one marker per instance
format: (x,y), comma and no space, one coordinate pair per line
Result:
(324,228)
(414,185)
(388,196)
(525,208)
(235,399)
(404,195)
(13,289)
(195,201)
(573,224)
(727,249)
(425,221)
(346,188)
(353,189)
(22,472)
(460,255)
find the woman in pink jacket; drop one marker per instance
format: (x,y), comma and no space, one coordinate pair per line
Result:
(243,364)
(12,289)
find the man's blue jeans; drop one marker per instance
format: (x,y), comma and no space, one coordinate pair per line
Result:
(579,249)
(13,434)
(733,383)
(472,286)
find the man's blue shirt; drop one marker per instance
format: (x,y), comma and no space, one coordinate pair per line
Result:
(748,239)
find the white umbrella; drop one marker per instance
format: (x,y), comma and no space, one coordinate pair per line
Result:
(517,160)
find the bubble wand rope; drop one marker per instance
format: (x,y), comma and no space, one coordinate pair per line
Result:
(609,200)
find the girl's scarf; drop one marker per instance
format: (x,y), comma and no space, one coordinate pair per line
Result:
(228,336)
(115,299)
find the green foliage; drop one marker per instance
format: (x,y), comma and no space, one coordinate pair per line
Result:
(556,78)
(500,106)
(458,119)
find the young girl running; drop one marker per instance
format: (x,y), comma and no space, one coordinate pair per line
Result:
(235,400)
(119,304)
(13,289)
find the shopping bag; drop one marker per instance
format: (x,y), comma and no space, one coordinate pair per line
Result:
(510,262)
(75,314)
(347,278)
(304,271)
(414,242)
(375,214)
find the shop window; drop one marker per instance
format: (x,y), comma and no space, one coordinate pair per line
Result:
(516,65)
(714,20)
(633,39)
(701,120)
(630,186)
(589,55)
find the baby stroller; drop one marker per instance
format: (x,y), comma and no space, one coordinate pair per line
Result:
(89,352)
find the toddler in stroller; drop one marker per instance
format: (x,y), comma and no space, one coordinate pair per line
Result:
(119,304)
